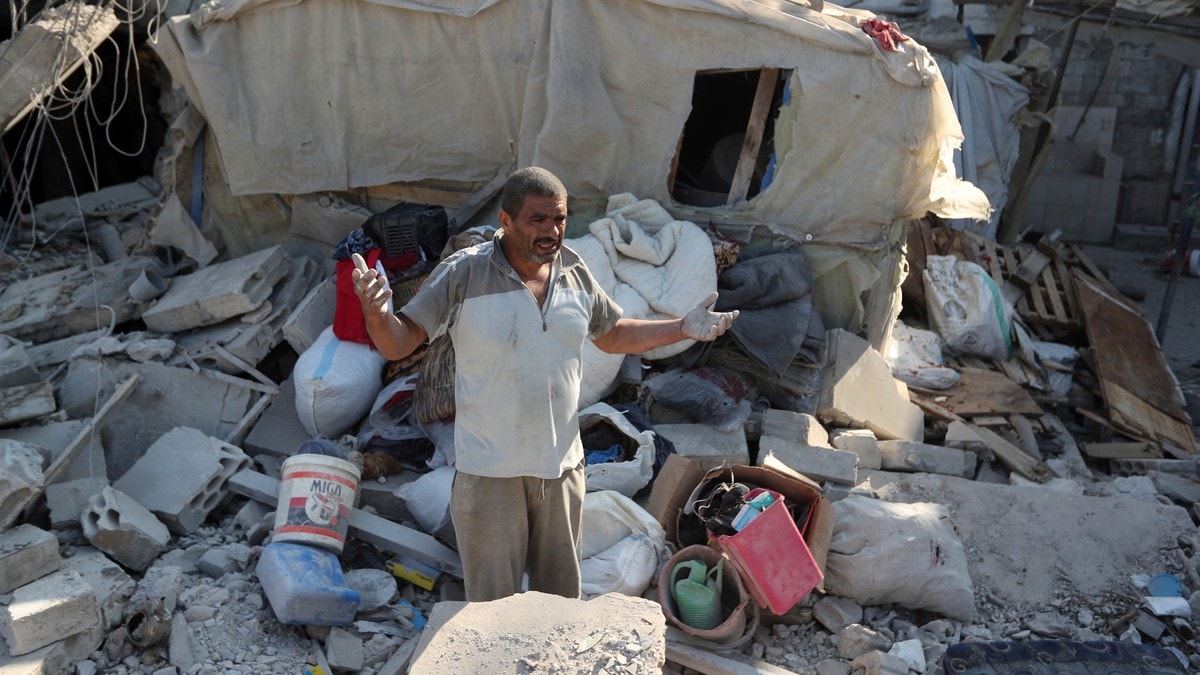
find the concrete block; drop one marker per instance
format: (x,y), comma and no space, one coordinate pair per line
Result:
(47,610)
(218,292)
(21,467)
(113,587)
(68,500)
(311,316)
(221,560)
(708,446)
(835,612)
(858,390)
(26,553)
(165,397)
(912,456)
(181,644)
(960,436)
(800,427)
(861,442)
(183,477)
(278,430)
(116,524)
(344,650)
(819,464)
(16,366)
(56,657)
(326,219)
(55,436)
(879,663)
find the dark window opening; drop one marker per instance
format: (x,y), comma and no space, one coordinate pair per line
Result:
(727,144)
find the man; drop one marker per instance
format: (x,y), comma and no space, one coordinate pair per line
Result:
(518,309)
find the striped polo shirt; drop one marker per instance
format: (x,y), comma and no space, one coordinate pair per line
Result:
(518,366)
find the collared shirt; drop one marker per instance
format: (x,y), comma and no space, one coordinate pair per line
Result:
(518,366)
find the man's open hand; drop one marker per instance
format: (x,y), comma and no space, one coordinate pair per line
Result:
(705,325)
(370,287)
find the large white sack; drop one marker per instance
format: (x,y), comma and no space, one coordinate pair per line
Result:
(627,476)
(621,545)
(336,383)
(966,307)
(907,554)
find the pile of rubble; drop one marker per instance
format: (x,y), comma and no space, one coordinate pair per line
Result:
(147,409)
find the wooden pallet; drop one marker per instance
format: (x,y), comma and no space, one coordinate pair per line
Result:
(1049,302)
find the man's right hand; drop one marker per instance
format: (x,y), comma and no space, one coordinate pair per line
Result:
(370,287)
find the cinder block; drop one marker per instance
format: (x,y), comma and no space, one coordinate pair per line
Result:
(20,478)
(922,457)
(861,442)
(819,464)
(113,587)
(48,610)
(800,427)
(183,477)
(116,524)
(858,390)
(56,657)
(26,553)
(708,446)
(218,292)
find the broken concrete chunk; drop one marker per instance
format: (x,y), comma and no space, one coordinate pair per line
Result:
(861,442)
(858,390)
(16,366)
(26,553)
(125,530)
(344,651)
(21,467)
(26,402)
(856,639)
(218,292)
(182,477)
(68,499)
(47,610)
(800,427)
(112,585)
(818,463)
(55,437)
(707,445)
(313,313)
(914,456)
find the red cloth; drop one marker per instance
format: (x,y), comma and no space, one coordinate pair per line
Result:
(348,321)
(886,33)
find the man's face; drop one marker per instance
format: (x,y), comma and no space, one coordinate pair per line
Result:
(536,232)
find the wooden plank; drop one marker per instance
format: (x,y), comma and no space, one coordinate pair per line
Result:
(376,530)
(93,426)
(1024,429)
(1122,450)
(1138,386)
(26,402)
(987,392)
(419,194)
(1010,455)
(752,141)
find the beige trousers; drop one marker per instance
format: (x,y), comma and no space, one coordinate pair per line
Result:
(507,526)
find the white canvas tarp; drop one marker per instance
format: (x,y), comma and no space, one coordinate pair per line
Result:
(311,95)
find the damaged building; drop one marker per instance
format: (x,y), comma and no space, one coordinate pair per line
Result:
(942,435)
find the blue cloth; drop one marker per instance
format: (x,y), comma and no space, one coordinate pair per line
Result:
(611,454)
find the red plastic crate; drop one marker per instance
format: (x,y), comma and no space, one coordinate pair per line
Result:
(772,557)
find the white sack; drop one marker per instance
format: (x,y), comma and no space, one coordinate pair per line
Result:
(428,498)
(907,554)
(336,383)
(621,547)
(626,477)
(966,307)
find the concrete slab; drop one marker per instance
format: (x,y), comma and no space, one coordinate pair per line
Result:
(278,430)
(16,366)
(312,315)
(57,657)
(1027,546)
(65,302)
(536,630)
(913,456)
(218,292)
(26,402)
(818,463)
(861,442)
(182,477)
(26,553)
(49,354)
(47,610)
(800,427)
(858,390)
(166,397)
(707,445)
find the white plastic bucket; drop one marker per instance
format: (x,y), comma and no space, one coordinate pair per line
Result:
(316,494)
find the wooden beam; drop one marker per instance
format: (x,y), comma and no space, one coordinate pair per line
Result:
(1010,455)
(740,186)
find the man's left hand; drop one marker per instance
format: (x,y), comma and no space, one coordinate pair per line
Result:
(705,325)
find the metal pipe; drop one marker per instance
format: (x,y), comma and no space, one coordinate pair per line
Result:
(1181,247)
(1181,165)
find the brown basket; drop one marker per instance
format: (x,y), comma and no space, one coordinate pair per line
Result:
(433,398)
(736,630)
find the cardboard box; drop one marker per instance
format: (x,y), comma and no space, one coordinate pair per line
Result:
(798,489)
(676,480)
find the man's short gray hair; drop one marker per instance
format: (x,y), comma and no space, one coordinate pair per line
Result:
(531,180)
